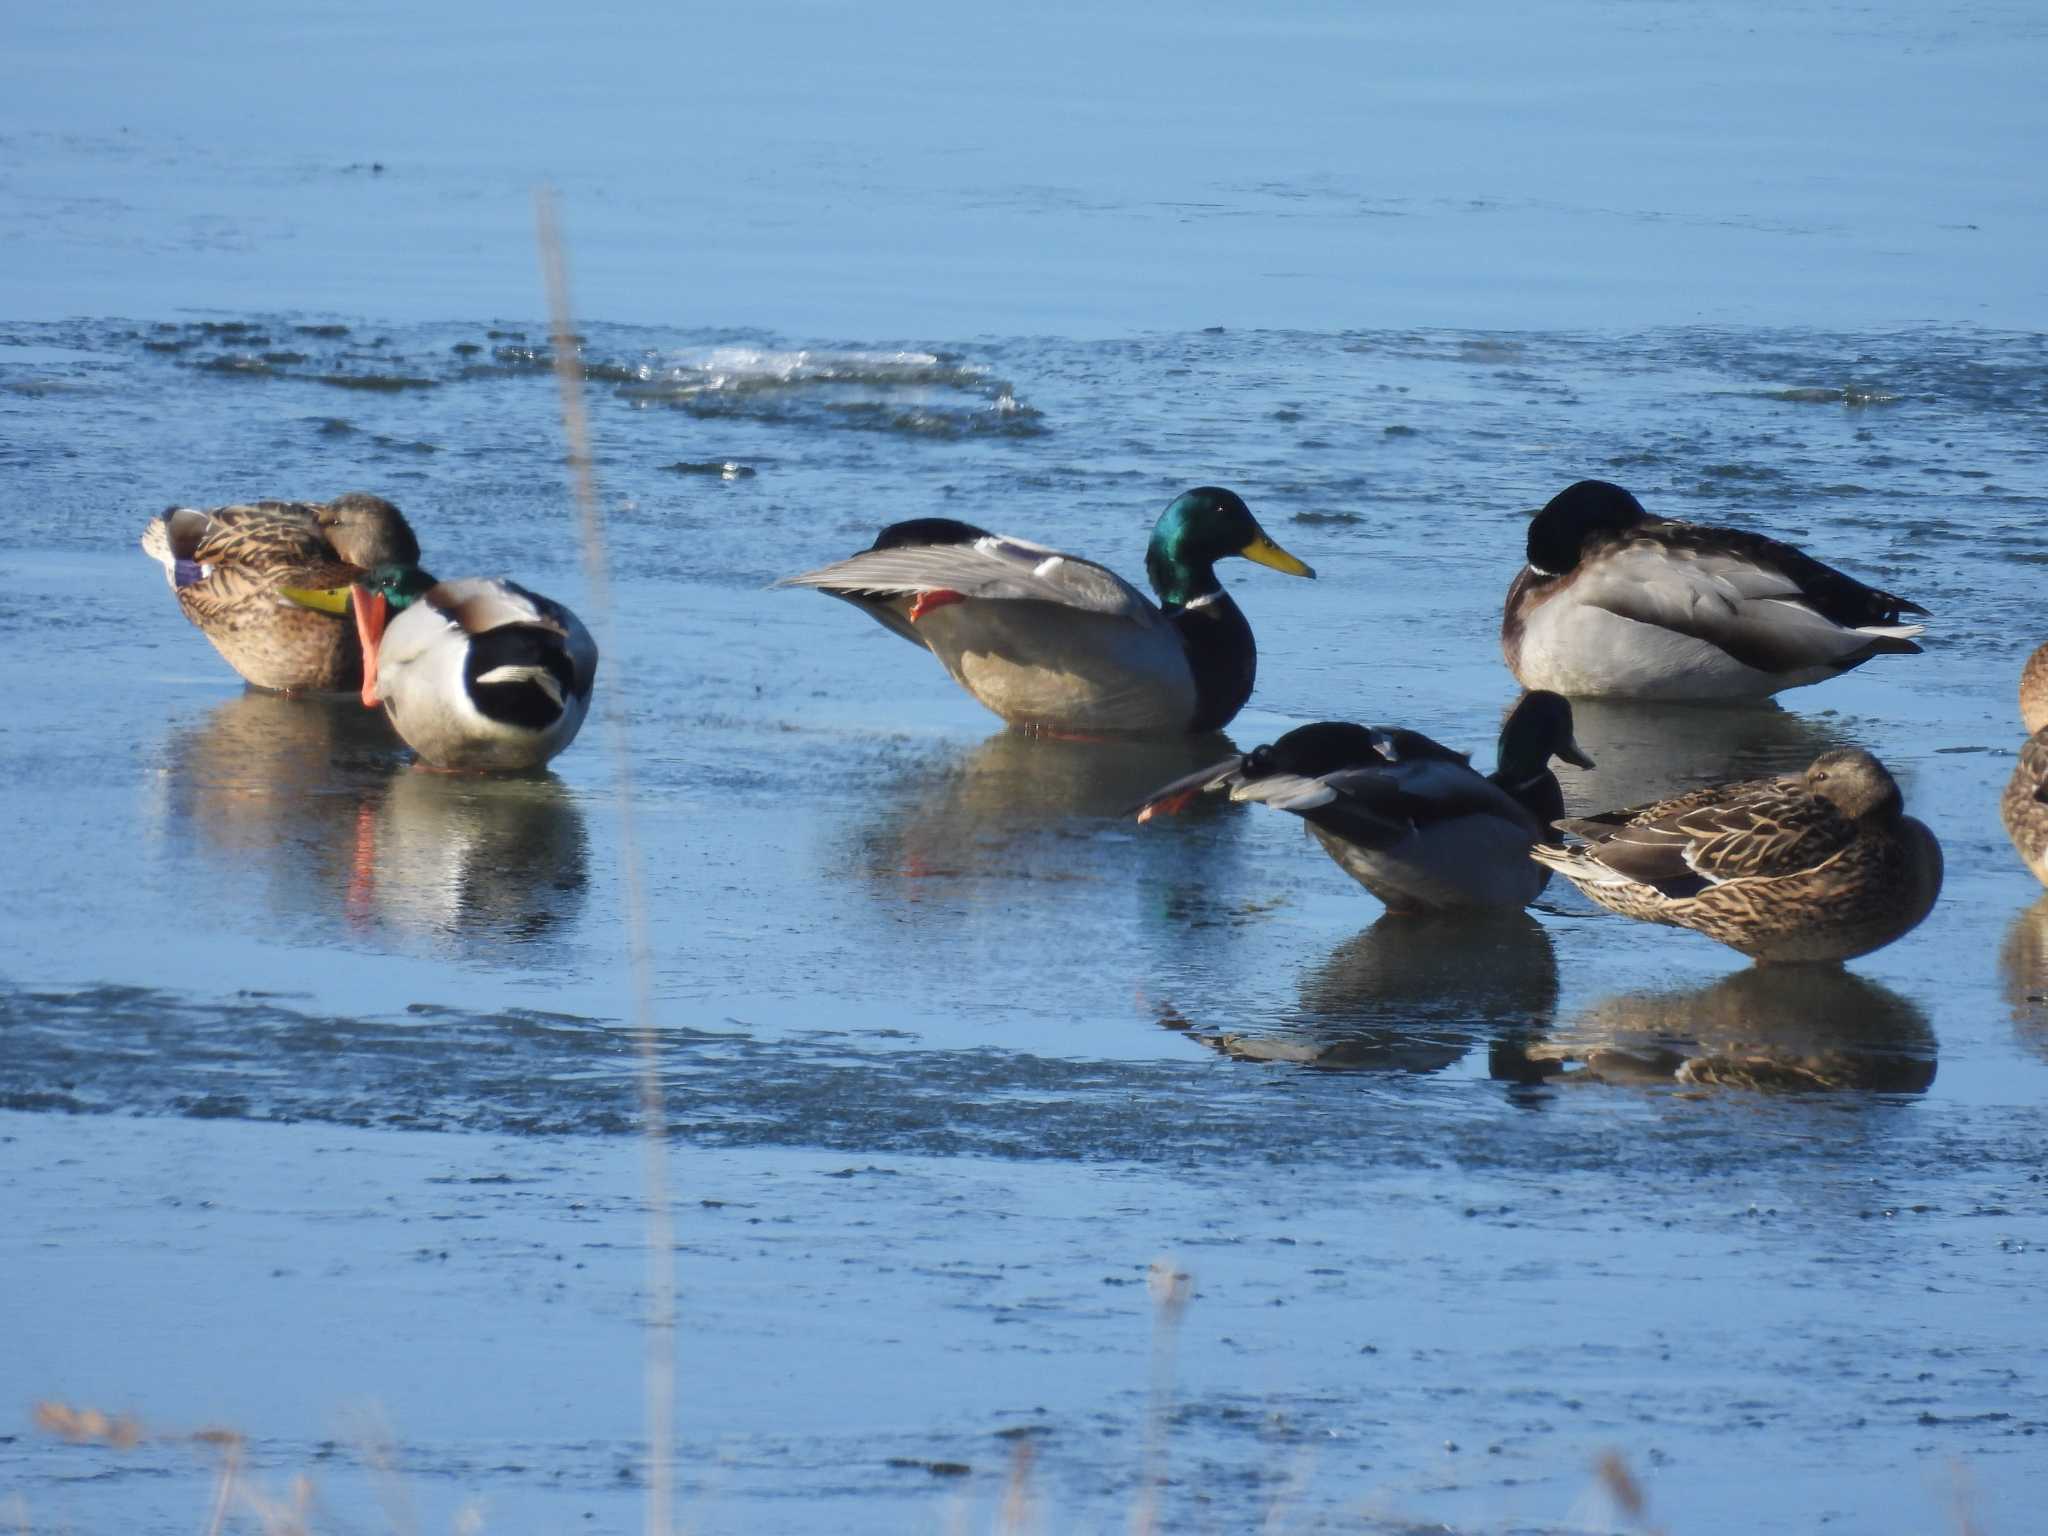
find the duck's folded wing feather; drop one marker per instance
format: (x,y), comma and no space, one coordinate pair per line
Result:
(1287,791)
(476,605)
(256,532)
(1399,745)
(1757,612)
(995,568)
(1768,829)
(223,557)
(1427,790)
(1376,806)
(1840,598)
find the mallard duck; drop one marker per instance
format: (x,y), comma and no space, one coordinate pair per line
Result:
(2024,806)
(474,674)
(1822,866)
(1407,818)
(1615,603)
(1056,643)
(257,579)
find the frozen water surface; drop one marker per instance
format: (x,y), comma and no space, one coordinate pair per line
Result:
(317,1095)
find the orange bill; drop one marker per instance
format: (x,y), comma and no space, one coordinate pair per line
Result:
(371,610)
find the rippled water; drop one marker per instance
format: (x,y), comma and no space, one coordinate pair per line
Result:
(317,1086)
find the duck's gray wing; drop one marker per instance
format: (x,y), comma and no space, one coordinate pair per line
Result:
(1732,598)
(992,568)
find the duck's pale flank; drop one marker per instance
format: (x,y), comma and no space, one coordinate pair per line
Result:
(1616,603)
(1052,642)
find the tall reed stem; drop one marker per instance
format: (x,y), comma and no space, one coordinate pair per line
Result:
(659,1366)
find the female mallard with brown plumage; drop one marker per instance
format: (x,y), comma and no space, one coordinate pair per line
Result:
(1822,866)
(2024,807)
(265,581)
(1615,603)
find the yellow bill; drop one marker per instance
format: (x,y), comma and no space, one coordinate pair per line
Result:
(332,600)
(1266,552)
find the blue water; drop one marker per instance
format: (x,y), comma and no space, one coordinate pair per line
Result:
(316,1084)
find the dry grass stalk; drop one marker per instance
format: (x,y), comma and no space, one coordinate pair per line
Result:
(659,1369)
(1170,1288)
(1612,1468)
(1018,1512)
(374,1443)
(288,1516)
(224,1487)
(1962,1495)
(88,1426)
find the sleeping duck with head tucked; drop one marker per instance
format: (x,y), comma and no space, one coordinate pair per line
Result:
(1617,603)
(1821,866)
(1055,643)
(259,580)
(476,675)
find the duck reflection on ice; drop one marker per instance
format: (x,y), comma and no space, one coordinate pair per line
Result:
(277,782)
(1646,752)
(1007,809)
(2024,962)
(309,804)
(481,857)
(1773,1028)
(1409,994)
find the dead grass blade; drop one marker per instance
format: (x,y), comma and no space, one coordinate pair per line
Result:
(659,1365)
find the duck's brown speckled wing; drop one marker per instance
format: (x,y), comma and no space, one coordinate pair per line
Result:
(1762,828)
(227,556)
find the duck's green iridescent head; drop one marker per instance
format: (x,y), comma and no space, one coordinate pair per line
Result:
(384,590)
(1199,528)
(399,583)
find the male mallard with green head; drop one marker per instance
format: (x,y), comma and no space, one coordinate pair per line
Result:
(1053,642)
(474,674)
(1615,603)
(259,578)
(1823,866)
